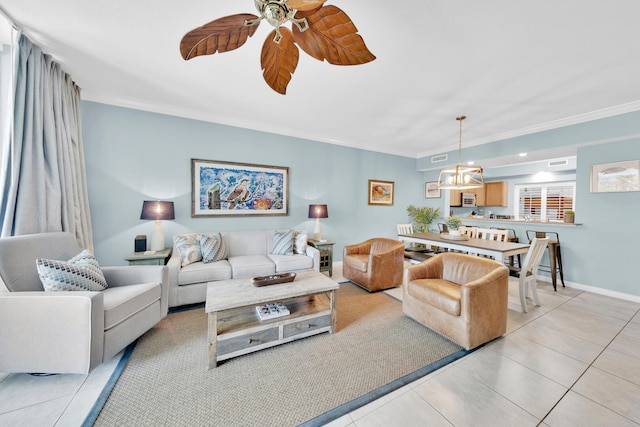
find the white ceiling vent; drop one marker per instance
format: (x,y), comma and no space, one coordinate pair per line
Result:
(563,162)
(440,158)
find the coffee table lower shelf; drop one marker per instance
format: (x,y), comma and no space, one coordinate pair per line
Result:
(237,331)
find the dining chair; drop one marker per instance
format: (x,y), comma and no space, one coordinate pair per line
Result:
(492,234)
(468,231)
(412,250)
(404,228)
(555,255)
(527,278)
(512,237)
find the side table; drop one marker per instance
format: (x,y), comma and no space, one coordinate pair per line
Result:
(145,258)
(326,254)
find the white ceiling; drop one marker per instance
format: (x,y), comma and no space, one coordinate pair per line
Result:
(511,67)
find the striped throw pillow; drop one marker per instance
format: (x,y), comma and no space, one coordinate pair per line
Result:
(283,243)
(213,248)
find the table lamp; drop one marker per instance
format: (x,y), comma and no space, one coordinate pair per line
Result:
(158,211)
(317,212)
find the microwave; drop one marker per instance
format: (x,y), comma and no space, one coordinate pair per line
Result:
(468,200)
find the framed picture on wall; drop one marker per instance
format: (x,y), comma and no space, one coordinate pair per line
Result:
(380,192)
(238,189)
(431,190)
(615,177)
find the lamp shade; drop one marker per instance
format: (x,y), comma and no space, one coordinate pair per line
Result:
(155,209)
(318,211)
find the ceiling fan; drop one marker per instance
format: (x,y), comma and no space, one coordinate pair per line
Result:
(323,31)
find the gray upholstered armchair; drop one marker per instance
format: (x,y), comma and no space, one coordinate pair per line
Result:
(460,296)
(375,264)
(70,331)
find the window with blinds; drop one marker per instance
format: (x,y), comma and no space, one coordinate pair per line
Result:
(546,201)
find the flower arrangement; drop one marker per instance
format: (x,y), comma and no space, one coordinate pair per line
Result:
(453,222)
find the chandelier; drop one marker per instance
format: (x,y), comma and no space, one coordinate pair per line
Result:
(460,177)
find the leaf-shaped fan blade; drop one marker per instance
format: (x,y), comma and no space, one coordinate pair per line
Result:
(303,5)
(332,36)
(221,35)
(279,60)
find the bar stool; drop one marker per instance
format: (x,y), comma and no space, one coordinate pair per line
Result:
(512,237)
(555,256)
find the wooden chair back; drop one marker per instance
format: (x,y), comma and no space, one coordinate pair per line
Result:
(404,228)
(468,231)
(492,234)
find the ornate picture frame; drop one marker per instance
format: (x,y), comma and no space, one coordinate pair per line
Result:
(381,192)
(238,189)
(431,190)
(615,177)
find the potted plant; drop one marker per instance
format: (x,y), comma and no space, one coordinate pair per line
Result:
(569,216)
(453,225)
(422,217)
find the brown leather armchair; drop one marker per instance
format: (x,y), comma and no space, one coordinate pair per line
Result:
(375,264)
(460,296)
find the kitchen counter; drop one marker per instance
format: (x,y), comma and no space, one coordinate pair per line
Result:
(517,221)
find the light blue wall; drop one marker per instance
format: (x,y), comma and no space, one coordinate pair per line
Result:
(134,155)
(608,240)
(603,251)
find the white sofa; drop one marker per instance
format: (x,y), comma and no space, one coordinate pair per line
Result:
(249,255)
(70,331)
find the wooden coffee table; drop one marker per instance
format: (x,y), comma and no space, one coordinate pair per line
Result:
(235,328)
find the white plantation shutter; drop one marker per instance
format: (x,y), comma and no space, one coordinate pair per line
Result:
(559,199)
(530,202)
(544,201)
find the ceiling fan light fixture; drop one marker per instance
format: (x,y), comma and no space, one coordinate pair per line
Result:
(460,176)
(324,32)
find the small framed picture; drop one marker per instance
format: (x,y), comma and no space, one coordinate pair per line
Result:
(431,190)
(380,192)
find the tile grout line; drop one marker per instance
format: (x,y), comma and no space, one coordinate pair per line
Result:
(590,366)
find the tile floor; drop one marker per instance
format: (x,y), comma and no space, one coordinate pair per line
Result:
(574,361)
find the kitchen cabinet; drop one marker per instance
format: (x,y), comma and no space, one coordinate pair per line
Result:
(496,194)
(492,194)
(455,198)
(480,195)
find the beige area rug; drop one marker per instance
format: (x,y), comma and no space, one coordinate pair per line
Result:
(315,380)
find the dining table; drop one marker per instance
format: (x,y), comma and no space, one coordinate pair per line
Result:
(493,248)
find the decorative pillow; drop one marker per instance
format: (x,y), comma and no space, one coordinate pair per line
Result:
(282,243)
(80,273)
(213,248)
(189,247)
(300,242)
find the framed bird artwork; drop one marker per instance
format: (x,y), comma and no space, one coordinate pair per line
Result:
(238,189)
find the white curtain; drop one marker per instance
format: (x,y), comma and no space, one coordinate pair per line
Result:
(43,172)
